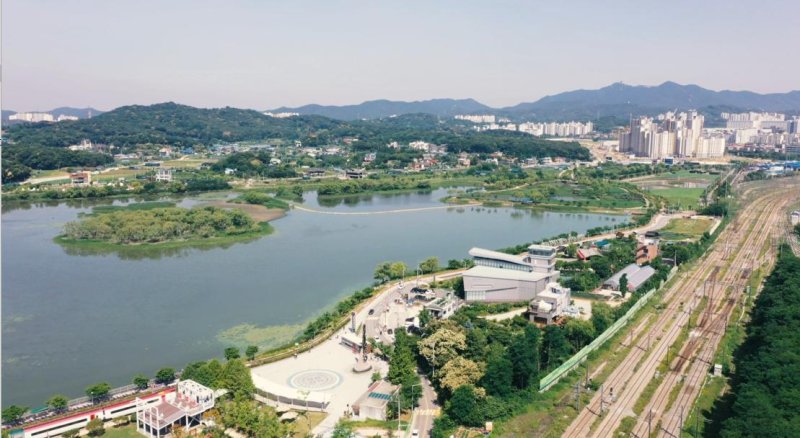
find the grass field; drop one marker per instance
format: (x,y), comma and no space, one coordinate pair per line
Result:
(684,198)
(128,431)
(305,423)
(679,229)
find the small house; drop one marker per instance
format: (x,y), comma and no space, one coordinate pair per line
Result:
(372,404)
(79,179)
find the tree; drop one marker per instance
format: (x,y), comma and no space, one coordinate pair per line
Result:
(342,430)
(601,266)
(251,352)
(442,346)
(455,264)
(424,318)
(572,250)
(524,355)
(141,381)
(579,332)
(165,375)
(497,380)
(58,403)
(248,417)
(460,371)
(236,378)
(431,264)
(463,407)
(555,347)
(623,285)
(401,360)
(476,344)
(95,427)
(13,413)
(98,391)
(602,316)
(204,373)
(231,353)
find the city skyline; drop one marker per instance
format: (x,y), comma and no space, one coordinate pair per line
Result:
(268,55)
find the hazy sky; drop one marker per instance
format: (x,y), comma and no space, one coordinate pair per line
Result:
(265,54)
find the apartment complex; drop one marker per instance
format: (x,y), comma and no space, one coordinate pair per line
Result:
(671,134)
(476,118)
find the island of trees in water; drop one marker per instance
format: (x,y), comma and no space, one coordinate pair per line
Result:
(157,225)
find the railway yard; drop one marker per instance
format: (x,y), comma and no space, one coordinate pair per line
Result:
(669,354)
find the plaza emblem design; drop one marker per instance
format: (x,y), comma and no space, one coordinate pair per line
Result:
(315,380)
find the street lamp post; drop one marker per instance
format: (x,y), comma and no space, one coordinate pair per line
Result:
(398,407)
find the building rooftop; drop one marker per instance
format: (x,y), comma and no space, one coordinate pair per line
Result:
(505,274)
(496,255)
(536,247)
(636,276)
(378,395)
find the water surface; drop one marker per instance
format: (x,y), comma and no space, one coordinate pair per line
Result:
(71,319)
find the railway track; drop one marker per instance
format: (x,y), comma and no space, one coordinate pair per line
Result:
(691,384)
(606,410)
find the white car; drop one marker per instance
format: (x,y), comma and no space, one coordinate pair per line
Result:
(415,433)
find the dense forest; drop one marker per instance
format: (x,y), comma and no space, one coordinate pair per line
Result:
(18,161)
(765,385)
(180,125)
(168,123)
(161,225)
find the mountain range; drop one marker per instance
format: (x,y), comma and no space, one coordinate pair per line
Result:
(616,100)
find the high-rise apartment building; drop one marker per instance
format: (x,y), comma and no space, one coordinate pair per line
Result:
(671,134)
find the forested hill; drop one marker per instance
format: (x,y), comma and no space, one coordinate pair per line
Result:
(168,123)
(375,109)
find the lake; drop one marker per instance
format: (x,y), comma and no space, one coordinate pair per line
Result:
(72,318)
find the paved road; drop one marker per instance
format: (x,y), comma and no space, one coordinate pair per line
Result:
(427,411)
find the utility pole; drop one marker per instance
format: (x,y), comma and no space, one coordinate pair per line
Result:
(601,399)
(398,408)
(649,421)
(578,396)
(587,375)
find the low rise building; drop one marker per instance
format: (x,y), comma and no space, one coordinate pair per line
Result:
(184,408)
(164,174)
(372,404)
(356,174)
(444,307)
(500,277)
(646,251)
(550,304)
(79,179)
(636,275)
